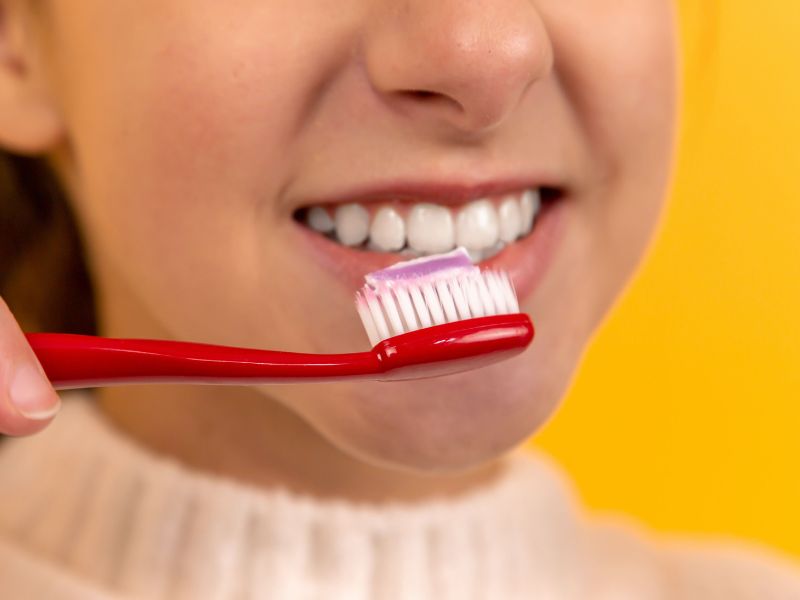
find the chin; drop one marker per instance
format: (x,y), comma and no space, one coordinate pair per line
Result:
(444,425)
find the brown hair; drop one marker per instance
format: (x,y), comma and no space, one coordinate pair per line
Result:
(43,274)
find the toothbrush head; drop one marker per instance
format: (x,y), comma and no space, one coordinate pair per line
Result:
(441,314)
(428,291)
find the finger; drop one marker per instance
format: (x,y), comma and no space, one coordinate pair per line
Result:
(27,400)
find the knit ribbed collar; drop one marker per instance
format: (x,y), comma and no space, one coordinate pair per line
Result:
(89,499)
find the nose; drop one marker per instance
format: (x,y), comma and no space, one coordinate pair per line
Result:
(463,63)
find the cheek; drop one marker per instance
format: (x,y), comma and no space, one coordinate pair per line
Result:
(617,69)
(176,138)
(190,135)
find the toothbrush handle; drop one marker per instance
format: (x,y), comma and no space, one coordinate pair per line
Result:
(73,361)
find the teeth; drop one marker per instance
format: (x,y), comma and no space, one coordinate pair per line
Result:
(388,230)
(510,219)
(484,227)
(530,203)
(352,224)
(319,220)
(477,226)
(475,256)
(430,229)
(490,252)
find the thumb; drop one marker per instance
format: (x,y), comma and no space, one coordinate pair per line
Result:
(27,400)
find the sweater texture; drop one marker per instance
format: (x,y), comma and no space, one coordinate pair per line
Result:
(88,514)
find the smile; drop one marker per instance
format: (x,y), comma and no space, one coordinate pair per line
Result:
(508,229)
(484,226)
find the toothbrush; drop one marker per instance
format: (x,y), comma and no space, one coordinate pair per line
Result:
(425,317)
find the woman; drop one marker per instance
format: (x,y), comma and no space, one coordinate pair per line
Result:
(203,149)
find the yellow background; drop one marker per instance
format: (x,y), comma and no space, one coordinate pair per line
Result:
(686,413)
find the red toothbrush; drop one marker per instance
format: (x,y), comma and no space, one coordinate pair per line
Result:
(425,318)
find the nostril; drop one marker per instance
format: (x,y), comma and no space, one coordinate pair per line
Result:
(421,94)
(429,99)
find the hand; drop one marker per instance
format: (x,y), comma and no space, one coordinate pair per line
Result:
(27,400)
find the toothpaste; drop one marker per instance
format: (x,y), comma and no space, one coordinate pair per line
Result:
(432,290)
(451,264)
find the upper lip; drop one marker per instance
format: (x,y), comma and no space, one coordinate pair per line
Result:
(438,192)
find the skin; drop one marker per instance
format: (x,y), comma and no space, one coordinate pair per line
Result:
(187,132)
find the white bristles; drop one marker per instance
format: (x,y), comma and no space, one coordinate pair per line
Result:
(511,296)
(391,308)
(471,289)
(433,304)
(419,303)
(377,315)
(486,297)
(460,299)
(499,299)
(446,298)
(404,300)
(366,319)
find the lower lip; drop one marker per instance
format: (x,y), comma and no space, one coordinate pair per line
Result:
(525,261)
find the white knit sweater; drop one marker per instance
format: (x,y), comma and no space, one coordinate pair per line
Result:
(86,514)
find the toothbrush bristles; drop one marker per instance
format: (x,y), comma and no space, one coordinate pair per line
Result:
(390,308)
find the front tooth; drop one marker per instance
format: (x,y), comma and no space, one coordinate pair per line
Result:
(477,226)
(529,204)
(319,220)
(388,230)
(352,224)
(510,220)
(430,229)
(493,251)
(475,256)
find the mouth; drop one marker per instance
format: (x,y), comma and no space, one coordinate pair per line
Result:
(511,229)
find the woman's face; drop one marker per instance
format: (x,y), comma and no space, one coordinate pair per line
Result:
(197,133)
